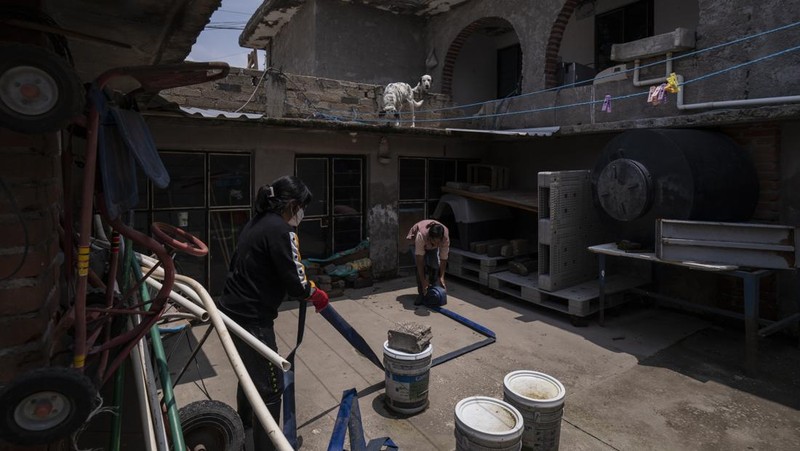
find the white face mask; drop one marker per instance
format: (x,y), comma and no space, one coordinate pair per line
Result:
(295,221)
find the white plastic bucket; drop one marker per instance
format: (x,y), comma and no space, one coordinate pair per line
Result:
(487,424)
(540,399)
(407,377)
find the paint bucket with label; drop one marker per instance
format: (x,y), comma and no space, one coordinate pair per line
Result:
(487,424)
(407,377)
(540,399)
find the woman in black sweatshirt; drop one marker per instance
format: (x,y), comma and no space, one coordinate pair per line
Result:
(265,269)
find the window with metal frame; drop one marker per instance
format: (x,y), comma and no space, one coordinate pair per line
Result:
(420,182)
(210,195)
(335,220)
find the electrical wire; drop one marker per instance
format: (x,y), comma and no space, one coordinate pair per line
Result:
(255,90)
(18,212)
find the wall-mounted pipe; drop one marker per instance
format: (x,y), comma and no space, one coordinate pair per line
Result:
(652,81)
(730,103)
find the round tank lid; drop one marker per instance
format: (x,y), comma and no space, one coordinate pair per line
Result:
(624,189)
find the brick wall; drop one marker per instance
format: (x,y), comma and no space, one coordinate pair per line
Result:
(29,290)
(298,96)
(227,94)
(307,97)
(763,142)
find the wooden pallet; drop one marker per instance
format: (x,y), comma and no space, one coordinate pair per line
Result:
(580,300)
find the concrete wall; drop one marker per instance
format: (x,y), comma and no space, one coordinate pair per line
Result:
(274,151)
(578,42)
(717,23)
(294,48)
(531,21)
(362,44)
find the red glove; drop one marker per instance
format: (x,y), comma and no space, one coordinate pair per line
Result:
(319,298)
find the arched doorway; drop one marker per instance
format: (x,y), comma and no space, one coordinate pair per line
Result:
(484,62)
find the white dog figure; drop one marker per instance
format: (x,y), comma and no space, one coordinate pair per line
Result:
(398,93)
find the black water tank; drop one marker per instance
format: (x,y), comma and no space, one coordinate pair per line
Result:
(674,174)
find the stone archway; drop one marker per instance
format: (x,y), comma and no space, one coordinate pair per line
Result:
(458,43)
(554,42)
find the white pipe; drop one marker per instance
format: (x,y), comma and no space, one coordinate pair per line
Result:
(237,330)
(184,303)
(652,81)
(270,426)
(137,360)
(730,103)
(187,290)
(155,404)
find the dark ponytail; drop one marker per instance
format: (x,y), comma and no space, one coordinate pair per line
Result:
(435,230)
(283,191)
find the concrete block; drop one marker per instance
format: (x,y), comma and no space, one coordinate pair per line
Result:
(674,41)
(410,337)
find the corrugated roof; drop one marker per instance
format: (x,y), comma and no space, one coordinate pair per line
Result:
(539,131)
(204,112)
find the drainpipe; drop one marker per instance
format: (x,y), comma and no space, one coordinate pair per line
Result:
(652,81)
(730,103)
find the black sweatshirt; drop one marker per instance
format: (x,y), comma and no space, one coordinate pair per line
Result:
(264,269)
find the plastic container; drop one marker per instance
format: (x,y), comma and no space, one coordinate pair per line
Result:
(407,377)
(540,399)
(484,424)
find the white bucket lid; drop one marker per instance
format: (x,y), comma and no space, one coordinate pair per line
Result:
(400,355)
(533,388)
(489,419)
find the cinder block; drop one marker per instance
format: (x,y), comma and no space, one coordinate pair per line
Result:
(410,337)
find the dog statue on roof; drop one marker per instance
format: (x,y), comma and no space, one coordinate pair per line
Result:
(396,94)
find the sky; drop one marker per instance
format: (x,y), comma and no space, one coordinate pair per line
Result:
(215,44)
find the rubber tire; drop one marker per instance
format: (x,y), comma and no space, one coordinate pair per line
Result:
(201,418)
(70,383)
(71,98)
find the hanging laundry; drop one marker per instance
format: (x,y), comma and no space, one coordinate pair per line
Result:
(672,84)
(606,104)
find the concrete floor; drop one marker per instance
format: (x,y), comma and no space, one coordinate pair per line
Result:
(652,378)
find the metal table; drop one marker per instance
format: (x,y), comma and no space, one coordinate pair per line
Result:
(750,278)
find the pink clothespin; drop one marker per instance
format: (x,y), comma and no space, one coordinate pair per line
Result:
(662,93)
(606,104)
(652,96)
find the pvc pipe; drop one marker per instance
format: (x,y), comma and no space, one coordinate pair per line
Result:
(148,428)
(162,444)
(731,103)
(237,330)
(259,408)
(652,81)
(184,303)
